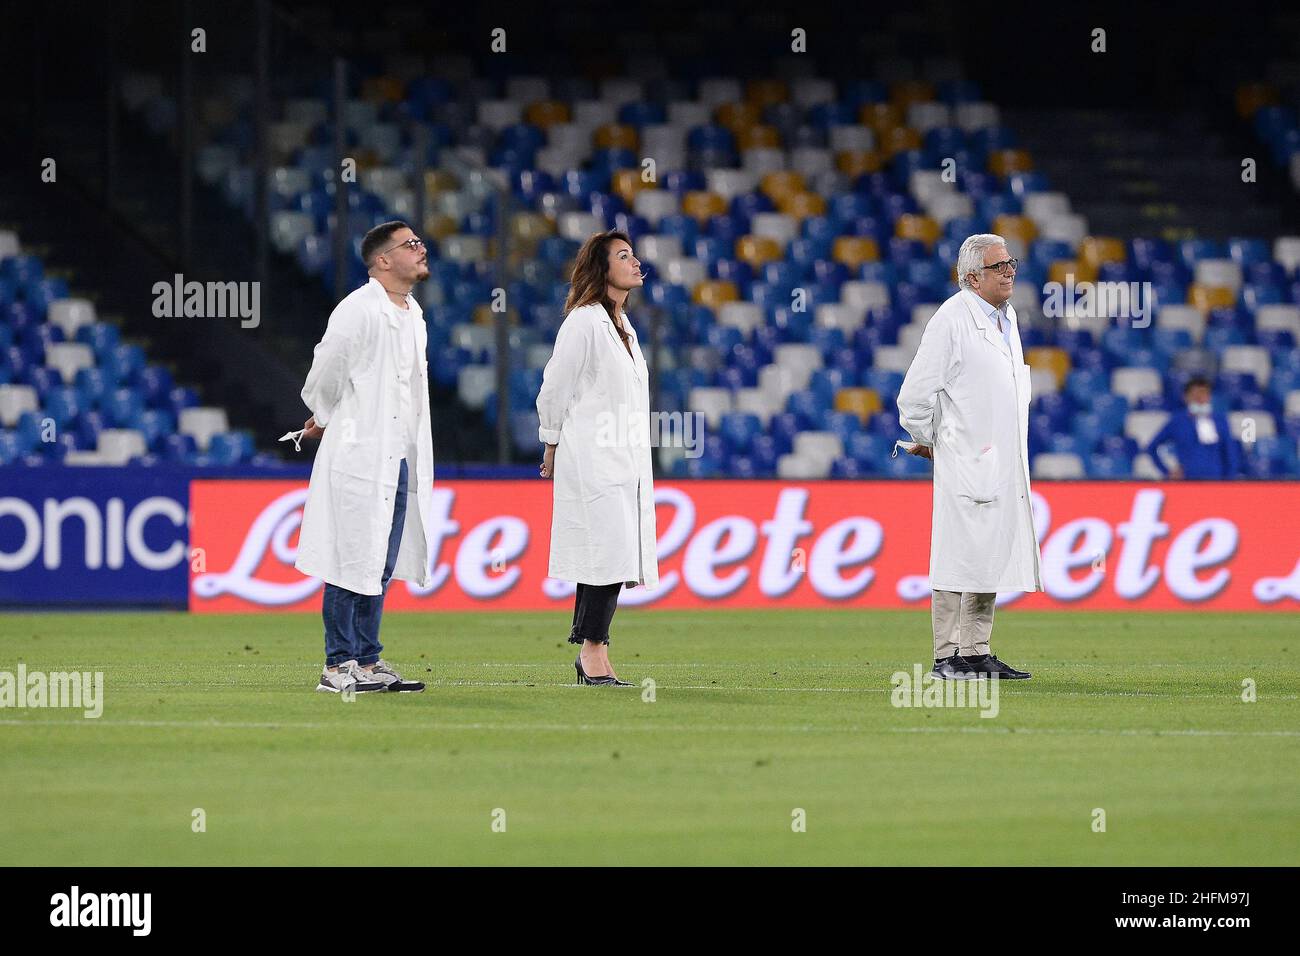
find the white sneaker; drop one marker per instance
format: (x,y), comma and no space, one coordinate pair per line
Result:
(365,680)
(393,680)
(335,682)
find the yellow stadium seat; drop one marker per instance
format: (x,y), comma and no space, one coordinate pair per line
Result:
(1003,162)
(1251,96)
(547,113)
(1054,360)
(899,139)
(880,116)
(863,402)
(439,181)
(483,315)
(1207,297)
(757,250)
(913,226)
(759,136)
(701,205)
(382,89)
(1095,250)
(627,183)
(858,162)
(615,136)
(737,116)
(905,94)
(1015,227)
(781,183)
(766,92)
(855,250)
(438,226)
(714,292)
(1066,270)
(530,226)
(802,205)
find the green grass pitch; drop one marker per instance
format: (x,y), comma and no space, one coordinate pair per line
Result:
(756,714)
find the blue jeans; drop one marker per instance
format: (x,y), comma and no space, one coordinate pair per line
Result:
(351,619)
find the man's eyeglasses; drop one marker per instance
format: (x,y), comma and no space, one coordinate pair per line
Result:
(413,244)
(1003,267)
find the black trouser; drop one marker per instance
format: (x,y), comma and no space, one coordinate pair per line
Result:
(593,609)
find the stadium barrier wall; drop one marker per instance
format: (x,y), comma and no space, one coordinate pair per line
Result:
(184,538)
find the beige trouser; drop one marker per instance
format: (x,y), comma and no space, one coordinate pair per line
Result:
(963,622)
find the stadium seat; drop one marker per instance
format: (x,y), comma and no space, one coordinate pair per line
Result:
(201,423)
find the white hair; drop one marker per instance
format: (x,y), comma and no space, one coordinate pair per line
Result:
(970,258)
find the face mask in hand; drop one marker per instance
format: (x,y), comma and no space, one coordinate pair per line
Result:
(1199,408)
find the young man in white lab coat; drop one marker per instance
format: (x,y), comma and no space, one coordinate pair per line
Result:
(372,479)
(965,401)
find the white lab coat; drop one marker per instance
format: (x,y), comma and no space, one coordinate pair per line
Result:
(353,388)
(595,404)
(967,396)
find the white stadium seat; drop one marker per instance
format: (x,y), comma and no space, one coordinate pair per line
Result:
(117,446)
(1186,317)
(202,423)
(822,447)
(14,400)
(659,249)
(865,294)
(775,225)
(1286,252)
(69,358)
(1142,426)
(730,183)
(474,383)
(848,318)
(1247,358)
(745,316)
(685,271)
(893,358)
(1133,383)
(654,204)
(1242,423)
(1285,318)
(851,138)
(713,403)
(755,401)
(799,468)
(1219,273)
(1058,465)
(71,314)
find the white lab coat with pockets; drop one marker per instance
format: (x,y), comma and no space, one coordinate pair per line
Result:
(967,395)
(595,404)
(353,388)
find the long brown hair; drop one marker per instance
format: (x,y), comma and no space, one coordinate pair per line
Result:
(590,280)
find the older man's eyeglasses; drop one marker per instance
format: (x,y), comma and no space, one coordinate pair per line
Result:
(1004,267)
(414,244)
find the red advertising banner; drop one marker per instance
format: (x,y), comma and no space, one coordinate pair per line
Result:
(1119,545)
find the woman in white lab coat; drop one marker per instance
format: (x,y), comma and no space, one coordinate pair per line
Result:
(594,412)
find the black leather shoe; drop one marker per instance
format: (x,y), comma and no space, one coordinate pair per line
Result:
(621,683)
(988,665)
(955,668)
(593,681)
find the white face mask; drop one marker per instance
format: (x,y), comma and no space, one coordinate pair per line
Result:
(1199,408)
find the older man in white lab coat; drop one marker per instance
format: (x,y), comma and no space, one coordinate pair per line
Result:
(965,402)
(372,480)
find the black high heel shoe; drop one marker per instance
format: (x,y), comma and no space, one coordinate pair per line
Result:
(594,681)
